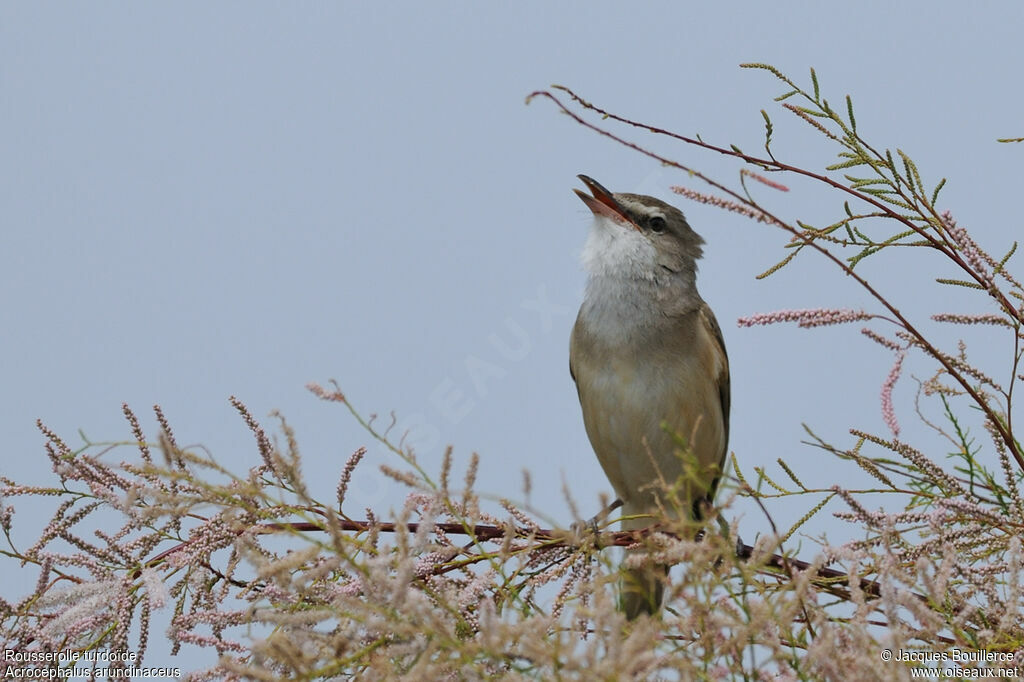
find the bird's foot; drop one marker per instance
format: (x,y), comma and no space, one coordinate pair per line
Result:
(592,526)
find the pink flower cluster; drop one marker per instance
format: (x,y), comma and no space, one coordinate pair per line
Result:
(815,317)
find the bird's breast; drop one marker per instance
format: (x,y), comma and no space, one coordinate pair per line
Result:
(638,390)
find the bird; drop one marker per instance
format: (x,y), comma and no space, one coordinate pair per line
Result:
(651,371)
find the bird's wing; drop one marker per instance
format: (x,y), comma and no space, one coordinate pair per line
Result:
(572,355)
(707,318)
(725,396)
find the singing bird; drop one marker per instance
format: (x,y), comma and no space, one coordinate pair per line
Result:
(651,370)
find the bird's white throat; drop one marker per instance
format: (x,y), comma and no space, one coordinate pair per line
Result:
(626,287)
(629,294)
(618,251)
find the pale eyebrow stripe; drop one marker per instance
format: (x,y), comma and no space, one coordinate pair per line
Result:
(649,211)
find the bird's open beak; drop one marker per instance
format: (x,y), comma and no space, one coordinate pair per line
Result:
(603,203)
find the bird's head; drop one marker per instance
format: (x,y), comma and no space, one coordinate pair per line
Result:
(637,236)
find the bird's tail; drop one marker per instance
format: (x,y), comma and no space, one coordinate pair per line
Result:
(643,589)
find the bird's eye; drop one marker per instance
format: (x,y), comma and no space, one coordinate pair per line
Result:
(656,224)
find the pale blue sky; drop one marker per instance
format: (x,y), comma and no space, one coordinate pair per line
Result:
(202,200)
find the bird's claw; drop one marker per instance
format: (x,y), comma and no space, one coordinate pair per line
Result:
(592,526)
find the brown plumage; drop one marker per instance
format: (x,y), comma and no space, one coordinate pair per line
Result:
(646,351)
